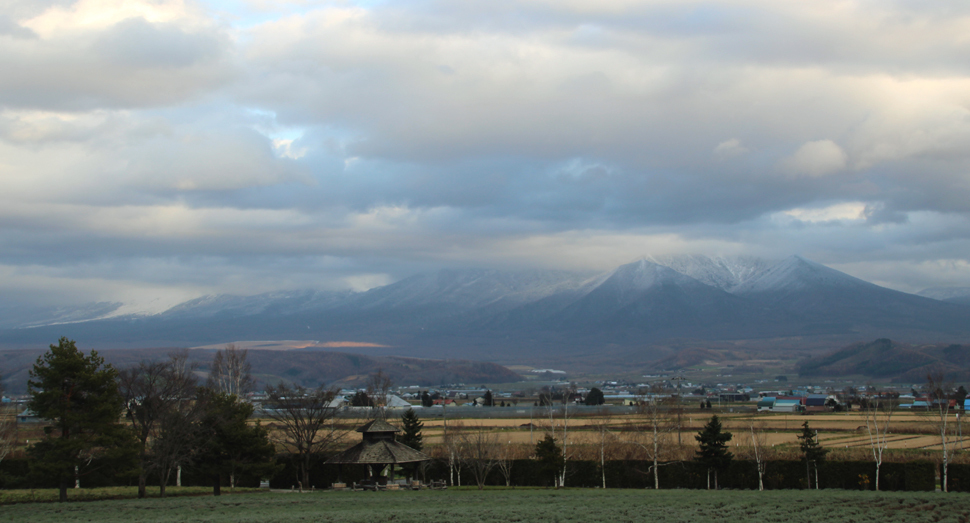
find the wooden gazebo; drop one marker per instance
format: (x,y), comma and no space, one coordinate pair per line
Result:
(378,449)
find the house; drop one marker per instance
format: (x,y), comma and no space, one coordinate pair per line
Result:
(28,416)
(766,403)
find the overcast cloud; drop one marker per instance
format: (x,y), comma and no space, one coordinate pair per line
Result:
(155,150)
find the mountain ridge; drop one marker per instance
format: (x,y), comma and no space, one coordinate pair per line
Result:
(506,314)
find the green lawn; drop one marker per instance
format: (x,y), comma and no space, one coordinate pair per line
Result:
(470,506)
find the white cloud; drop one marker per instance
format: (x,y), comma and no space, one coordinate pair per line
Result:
(832,213)
(814,159)
(403,136)
(730,148)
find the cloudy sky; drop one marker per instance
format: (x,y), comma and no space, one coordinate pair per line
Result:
(155,150)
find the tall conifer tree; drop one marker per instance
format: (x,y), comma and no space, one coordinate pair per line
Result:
(713,449)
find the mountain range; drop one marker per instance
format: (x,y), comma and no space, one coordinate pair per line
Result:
(637,310)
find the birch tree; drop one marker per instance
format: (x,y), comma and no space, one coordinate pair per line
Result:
(937,391)
(658,424)
(878,414)
(505,462)
(606,441)
(759,448)
(229,372)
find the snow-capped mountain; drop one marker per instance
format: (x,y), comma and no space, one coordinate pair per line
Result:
(653,299)
(471,288)
(647,301)
(724,272)
(795,274)
(14,315)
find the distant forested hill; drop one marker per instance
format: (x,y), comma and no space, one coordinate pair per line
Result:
(884,358)
(304,367)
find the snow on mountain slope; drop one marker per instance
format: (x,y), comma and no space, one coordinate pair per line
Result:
(651,300)
(724,272)
(629,281)
(471,288)
(277,303)
(796,273)
(16,316)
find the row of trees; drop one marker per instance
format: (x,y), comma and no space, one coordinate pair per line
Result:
(154,418)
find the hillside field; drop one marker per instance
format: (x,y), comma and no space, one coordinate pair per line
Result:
(521,505)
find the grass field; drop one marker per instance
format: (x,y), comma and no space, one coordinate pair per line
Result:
(519,505)
(8,496)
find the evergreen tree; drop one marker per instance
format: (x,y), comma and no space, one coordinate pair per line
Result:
(550,459)
(426,399)
(361,399)
(78,395)
(228,445)
(960,395)
(489,400)
(595,397)
(411,428)
(812,453)
(411,436)
(713,448)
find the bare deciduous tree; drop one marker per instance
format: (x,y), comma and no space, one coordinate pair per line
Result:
(378,388)
(505,461)
(878,413)
(480,453)
(304,422)
(229,372)
(8,430)
(152,390)
(938,394)
(455,444)
(174,444)
(653,434)
(606,440)
(759,449)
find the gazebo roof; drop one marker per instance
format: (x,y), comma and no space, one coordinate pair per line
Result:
(378,452)
(378,425)
(378,447)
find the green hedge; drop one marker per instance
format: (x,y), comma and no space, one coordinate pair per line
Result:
(848,475)
(958,479)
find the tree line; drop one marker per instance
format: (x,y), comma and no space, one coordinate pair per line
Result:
(154,418)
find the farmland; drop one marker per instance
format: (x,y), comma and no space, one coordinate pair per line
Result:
(523,505)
